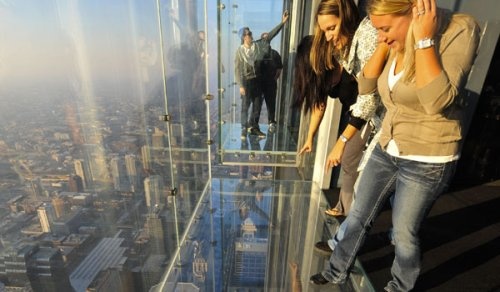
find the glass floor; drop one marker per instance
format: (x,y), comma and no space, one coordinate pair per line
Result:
(252,235)
(278,148)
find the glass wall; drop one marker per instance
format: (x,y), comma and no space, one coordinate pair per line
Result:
(266,106)
(104,138)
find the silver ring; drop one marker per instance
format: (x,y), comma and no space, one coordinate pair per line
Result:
(422,12)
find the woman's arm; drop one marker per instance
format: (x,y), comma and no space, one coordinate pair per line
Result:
(440,72)
(316,117)
(376,63)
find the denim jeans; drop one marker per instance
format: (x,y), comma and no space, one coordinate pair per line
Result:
(416,186)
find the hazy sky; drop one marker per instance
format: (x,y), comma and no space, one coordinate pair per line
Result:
(79,43)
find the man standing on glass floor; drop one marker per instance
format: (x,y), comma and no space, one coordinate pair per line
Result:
(247,74)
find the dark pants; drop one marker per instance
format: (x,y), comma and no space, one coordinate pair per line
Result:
(269,90)
(253,93)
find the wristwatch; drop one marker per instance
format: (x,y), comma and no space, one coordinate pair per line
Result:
(424,43)
(343,138)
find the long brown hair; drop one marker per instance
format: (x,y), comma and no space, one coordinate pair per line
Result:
(310,89)
(322,50)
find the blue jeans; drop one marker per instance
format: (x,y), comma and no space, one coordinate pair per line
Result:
(416,186)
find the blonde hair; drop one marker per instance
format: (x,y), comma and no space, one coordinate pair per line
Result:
(401,8)
(323,51)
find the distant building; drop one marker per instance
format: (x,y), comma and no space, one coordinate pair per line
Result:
(249,259)
(111,279)
(42,267)
(46,215)
(108,253)
(36,188)
(75,183)
(155,226)
(131,166)
(82,170)
(59,208)
(153,191)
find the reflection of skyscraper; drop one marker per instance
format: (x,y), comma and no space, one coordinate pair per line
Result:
(46,215)
(250,258)
(82,170)
(155,231)
(158,138)
(146,157)
(120,180)
(153,193)
(75,183)
(95,156)
(131,166)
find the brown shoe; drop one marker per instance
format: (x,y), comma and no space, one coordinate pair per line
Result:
(323,248)
(334,212)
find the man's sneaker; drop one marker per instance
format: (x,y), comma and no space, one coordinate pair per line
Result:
(323,248)
(257,132)
(272,127)
(243,134)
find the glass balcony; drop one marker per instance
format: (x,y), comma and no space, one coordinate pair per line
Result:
(122,163)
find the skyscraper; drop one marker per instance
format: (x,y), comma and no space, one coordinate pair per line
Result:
(75,183)
(82,170)
(118,174)
(131,166)
(155,231)
(153,191)
(46,215)
(58,204)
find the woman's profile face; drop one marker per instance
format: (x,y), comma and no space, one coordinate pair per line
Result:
(392,29)
(330,26)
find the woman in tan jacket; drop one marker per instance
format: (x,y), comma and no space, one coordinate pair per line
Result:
(419,69)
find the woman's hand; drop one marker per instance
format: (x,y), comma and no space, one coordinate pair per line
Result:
(335,156)
(242,90)
(307,147)
(424,19)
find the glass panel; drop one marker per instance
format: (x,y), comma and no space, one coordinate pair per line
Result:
(276,144)
(248,234)
(104,139)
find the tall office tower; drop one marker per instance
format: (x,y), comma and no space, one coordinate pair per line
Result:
(75,183)
(36,188)
(146,157)
(82,170)
(131,165)
(15,263)
(120,181)
(158,139)
(155,231)
(46,215)
(58,204)
(153,191)
(250,257)
(47,272)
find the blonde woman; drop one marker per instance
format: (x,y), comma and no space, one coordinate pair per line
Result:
(419,69)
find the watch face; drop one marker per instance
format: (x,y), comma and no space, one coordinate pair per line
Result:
(424,43)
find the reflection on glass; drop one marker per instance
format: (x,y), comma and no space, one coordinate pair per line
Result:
(253,56)
(103,131)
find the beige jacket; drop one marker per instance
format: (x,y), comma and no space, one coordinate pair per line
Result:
(427,121)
